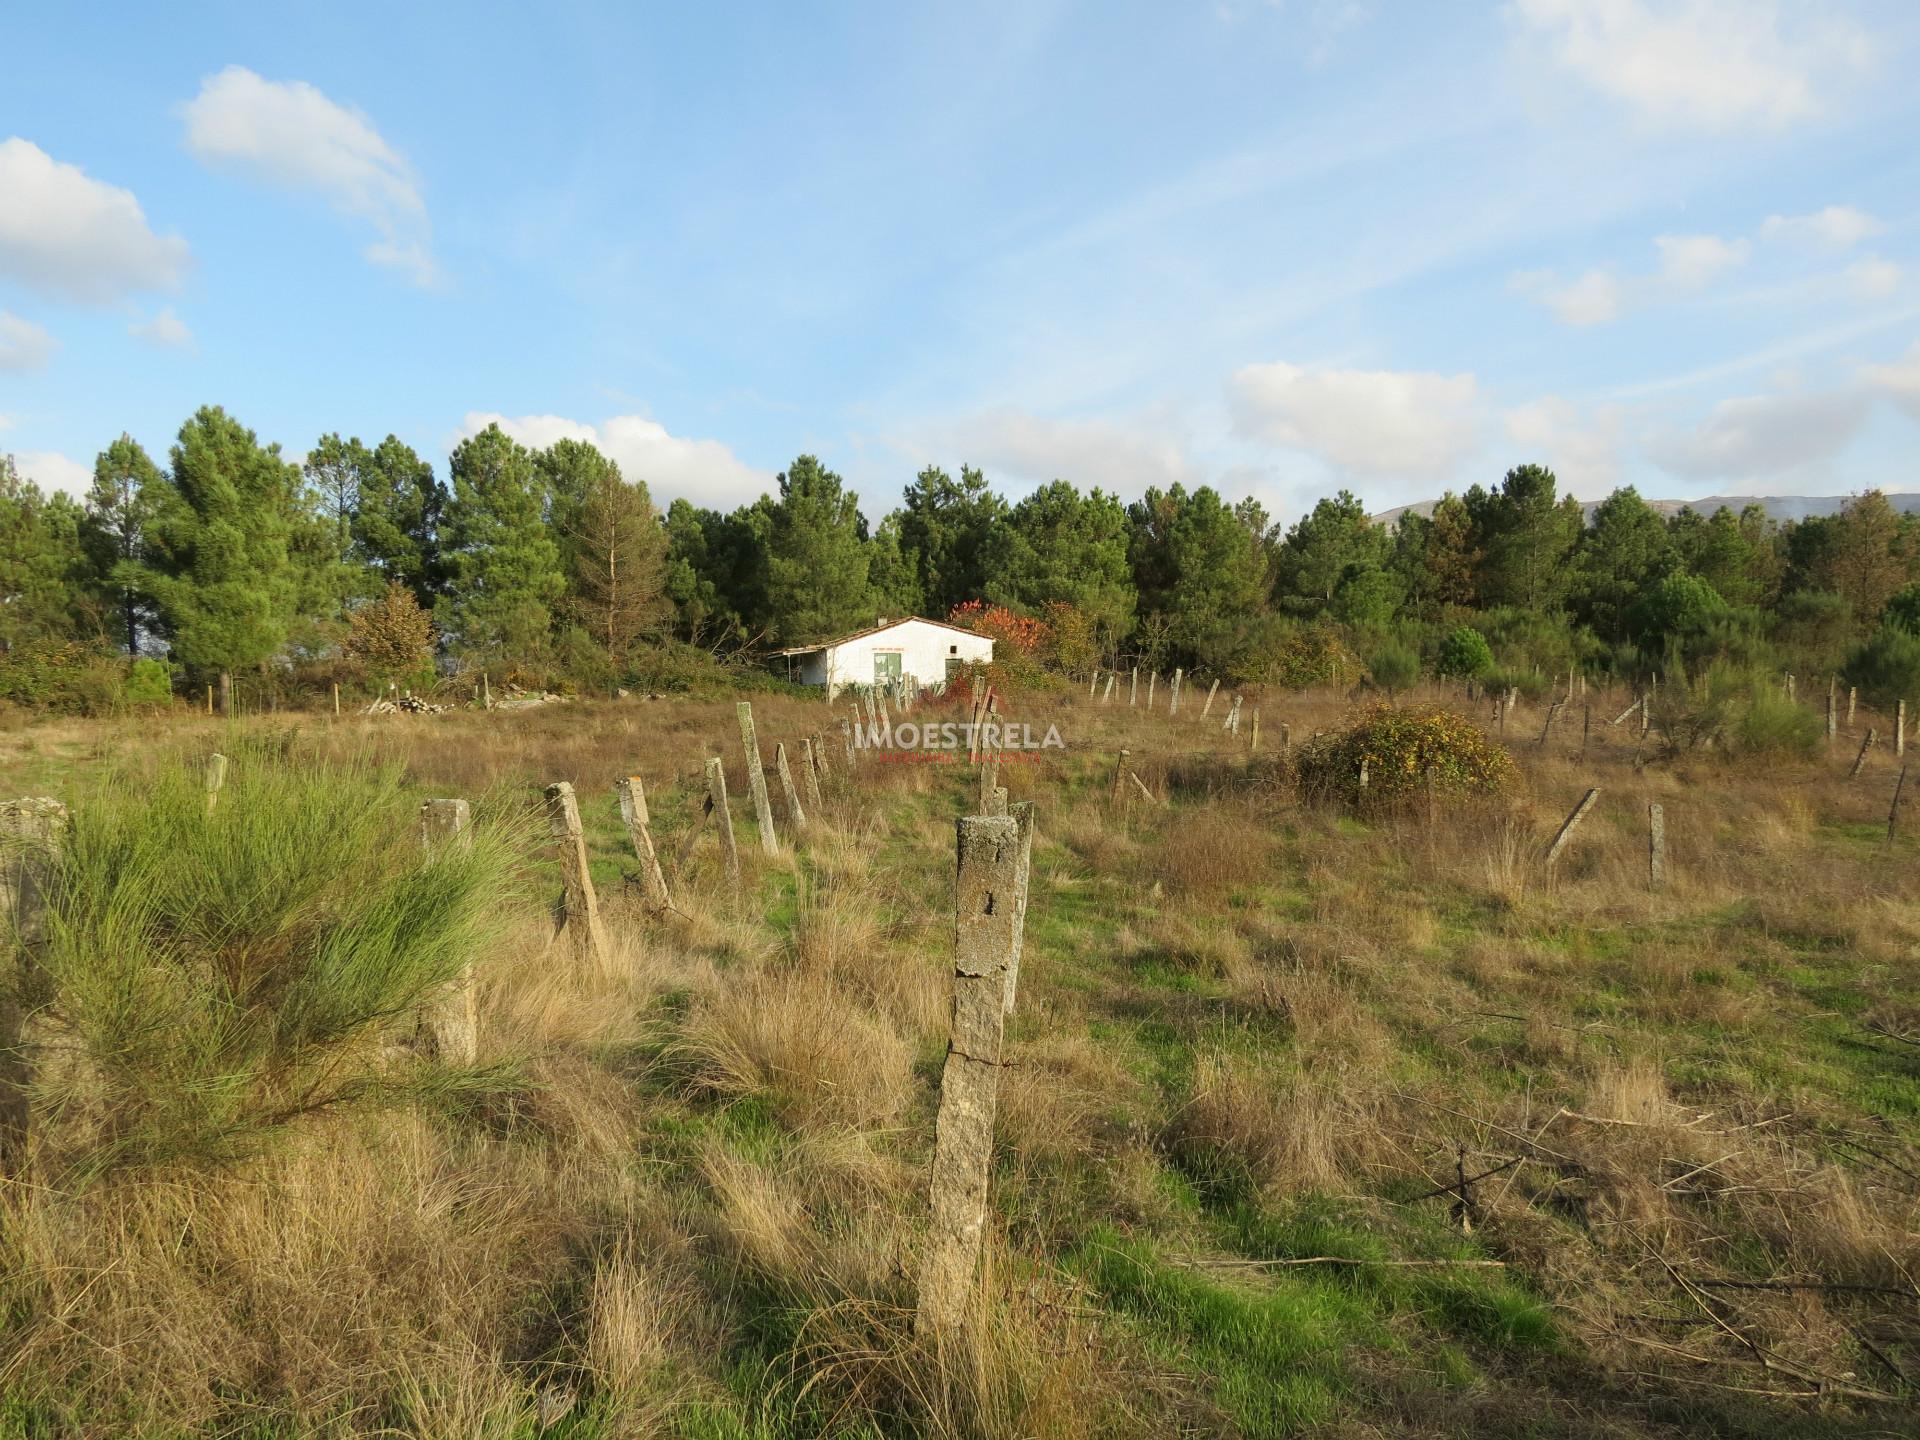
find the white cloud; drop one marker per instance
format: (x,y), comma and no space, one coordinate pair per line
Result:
(1688,264)
(67,235)
(1581,448)
(1701,64)
(1119,456)
(1872,278)
(288,133)
(51,471)
(23,345)
(1900,381)
(1375,422)
(703,471)
(166,330)
(1692,262)
(1757,435)
(1593,299)
(1837,227)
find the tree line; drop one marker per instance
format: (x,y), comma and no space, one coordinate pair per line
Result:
(232,559)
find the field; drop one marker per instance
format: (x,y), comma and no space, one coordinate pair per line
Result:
(1314,1118)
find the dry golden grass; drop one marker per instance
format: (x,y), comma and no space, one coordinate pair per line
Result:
(804,1044)
(1229,1003)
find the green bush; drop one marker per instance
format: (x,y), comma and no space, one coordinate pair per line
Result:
(1774,727)
(1464,654)
(216,976)
(1903,610)
(1315,655)
(71,678)
(1400,745)
(1887,668)
(1531,684)
(1695,713)
(1394,668)
(148,683)
(1679,608)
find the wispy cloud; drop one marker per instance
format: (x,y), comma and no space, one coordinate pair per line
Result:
(1715,65)
(164,329)
(1687,265)
(1370,422)
(1752,436)
(24,345)
(288,133)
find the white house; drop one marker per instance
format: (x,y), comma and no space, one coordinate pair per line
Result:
(926,650)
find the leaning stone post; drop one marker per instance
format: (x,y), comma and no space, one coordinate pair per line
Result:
(449,1027)
(1212,690)
(986,920)
(1133,687)
(792,796)
(757,778)
(1572,823)
(580,919)
(723,818)
(1553,714)
(810,763)
(633,811)
(1865,745)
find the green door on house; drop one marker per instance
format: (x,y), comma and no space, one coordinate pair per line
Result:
(886,667)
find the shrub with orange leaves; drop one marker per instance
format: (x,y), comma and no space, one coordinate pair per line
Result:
(1018,640)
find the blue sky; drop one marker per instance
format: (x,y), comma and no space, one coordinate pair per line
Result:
(1277,247)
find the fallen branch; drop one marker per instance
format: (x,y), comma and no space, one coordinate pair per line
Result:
(1454,1187)
(1834,1286)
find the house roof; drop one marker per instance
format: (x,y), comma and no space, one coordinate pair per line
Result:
(876,629)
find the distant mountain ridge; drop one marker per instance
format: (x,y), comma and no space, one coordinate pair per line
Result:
(1777,507)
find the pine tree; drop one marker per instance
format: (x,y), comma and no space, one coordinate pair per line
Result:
(1323,545)
(950,533)
(1525,535)
(120,506)
(1071,549)
(1623,554)
(817,557)
(335,472)
(613,548)
(1197,564)
(1862,558)
(504,562)
(216,564)
(42,564)
(396,523)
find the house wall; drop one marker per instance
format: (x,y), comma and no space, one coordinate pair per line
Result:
(923,649)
